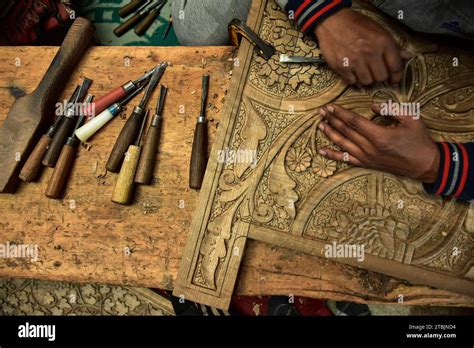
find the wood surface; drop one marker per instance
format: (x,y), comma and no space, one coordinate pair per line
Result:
(286,194)
(84,237)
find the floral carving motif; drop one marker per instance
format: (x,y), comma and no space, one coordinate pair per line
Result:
(298,159)
(323,167)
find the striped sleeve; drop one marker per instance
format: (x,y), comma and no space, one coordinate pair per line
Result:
(456,172)
(308,13)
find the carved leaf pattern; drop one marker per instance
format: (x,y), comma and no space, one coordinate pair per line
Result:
(253,131)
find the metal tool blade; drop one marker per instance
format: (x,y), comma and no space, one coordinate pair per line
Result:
(160,70)
(284,58)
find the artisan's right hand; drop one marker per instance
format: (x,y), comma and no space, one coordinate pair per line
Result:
(359,49)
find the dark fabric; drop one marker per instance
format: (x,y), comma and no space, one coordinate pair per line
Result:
(34,21)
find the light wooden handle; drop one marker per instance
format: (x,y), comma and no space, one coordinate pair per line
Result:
(60,176)
(33,165)
(147,163)
(93,126)
(125,181)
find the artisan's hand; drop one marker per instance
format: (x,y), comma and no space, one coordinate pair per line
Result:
(405,149)
(359,49)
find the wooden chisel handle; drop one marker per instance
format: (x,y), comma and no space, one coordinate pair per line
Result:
(147,163)
(198,156)
(129,24)
(130,7)
(125,181)
(60,176)
(147,22)
(125,139)
(33,165)
(72,49)
(59,139)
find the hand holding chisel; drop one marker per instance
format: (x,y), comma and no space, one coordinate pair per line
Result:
(146,166)
(132,126)
(199,152)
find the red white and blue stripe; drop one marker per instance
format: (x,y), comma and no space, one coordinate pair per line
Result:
(456,172)
(308,13)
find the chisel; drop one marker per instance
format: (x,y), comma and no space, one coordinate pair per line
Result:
(136,18)
(149,19)
(33,165)
(131,127)
(99,121)
(131,6)
(65,128)
(284,58)
(61,173)
(146,165)
(125,181)
(117,94)
(199,151)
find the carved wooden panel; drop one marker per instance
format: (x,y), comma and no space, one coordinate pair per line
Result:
(290,196)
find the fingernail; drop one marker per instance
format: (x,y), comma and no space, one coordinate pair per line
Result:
(321,127)
(322,152)
(322,112)
(330,109)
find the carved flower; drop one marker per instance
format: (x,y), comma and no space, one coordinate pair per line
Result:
(298,159)
(323,167)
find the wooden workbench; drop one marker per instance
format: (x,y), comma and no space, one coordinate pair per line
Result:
(87,238)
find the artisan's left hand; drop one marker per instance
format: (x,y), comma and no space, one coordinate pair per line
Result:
(405,149)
